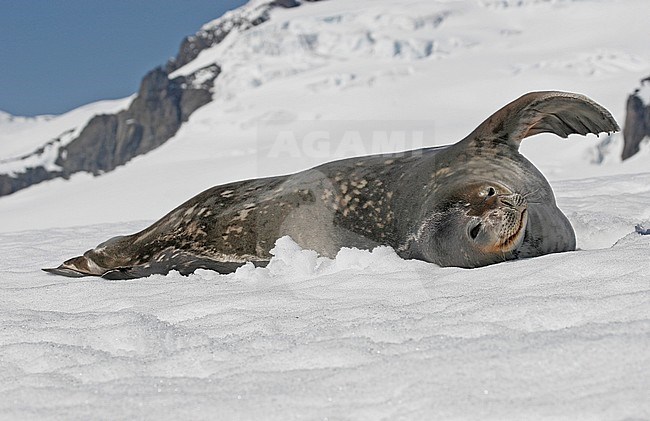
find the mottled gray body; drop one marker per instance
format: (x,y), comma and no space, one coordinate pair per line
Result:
(469,204)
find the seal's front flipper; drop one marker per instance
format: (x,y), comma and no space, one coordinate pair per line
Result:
(182,261)
(561,113)
(185,267)
(113,274)
(161,264)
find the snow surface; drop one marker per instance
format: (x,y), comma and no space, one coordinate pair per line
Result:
(366,335)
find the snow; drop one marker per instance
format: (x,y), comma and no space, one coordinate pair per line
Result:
(21,137)
(45,157)
(365,335)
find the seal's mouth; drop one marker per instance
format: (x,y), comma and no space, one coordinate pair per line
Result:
(514,241)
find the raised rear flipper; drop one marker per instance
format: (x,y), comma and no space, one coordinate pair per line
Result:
(560,113)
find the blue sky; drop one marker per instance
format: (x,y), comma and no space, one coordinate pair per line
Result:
(56,55)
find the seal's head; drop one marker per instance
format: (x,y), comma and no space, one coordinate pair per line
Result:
(480,224)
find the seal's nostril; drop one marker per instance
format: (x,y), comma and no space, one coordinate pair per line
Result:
(474,231)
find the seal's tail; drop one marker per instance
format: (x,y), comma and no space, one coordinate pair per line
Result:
(109,256)
(77,267)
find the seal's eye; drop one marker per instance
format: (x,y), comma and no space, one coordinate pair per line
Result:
(491,191)
(474,231)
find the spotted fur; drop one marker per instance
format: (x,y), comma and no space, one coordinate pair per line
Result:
(469,204)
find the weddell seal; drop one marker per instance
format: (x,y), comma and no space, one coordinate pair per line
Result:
(470,204)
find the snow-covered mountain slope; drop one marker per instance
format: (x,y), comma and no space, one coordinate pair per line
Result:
(161,105)
(20,136)
(435,67)
(366,335)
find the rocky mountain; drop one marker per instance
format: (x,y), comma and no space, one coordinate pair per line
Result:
(109,140)
(162,104)
(431,67)
(637,119)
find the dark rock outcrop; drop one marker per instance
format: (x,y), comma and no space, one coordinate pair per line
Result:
(637,123)
(160,107)
(9,184)
(191,46)
(285,3)
(110,140)
(154,116)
